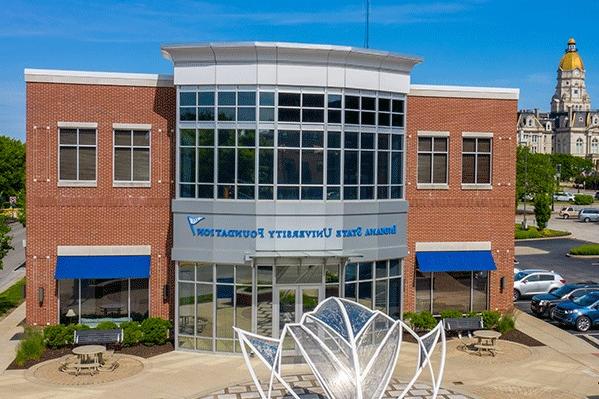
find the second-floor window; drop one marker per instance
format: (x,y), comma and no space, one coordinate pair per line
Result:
(77,155)
(476,160)
(432,160)
(132,156)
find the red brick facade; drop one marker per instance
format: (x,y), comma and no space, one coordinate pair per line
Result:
(457,214)
(106,215)
(102,215)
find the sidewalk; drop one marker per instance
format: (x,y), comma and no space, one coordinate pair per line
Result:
(9,326)
(561,341)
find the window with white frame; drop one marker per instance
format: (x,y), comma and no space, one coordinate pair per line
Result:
(595,146)
(579,146)
(432,160)
(476,160)
(77,154)
(132,156)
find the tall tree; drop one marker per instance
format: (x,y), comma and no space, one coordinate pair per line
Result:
(571,166)
(535,173)
(12,167)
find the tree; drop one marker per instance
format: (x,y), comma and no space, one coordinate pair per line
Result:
(21,215)
(535,174)
(5,239)
(12,167)
(571,166)
(542,210)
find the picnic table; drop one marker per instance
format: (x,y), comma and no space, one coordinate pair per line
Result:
(89,358)
(486,341)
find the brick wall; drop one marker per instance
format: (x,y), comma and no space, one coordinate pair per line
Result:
(102,215)
(464,215)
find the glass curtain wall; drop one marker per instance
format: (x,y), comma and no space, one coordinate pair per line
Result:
(97,300)
(214,298)
(462,291)
(290,144)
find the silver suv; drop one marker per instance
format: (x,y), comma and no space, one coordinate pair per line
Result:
(588,215)
(536,281)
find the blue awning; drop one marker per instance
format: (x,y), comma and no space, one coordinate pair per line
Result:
(455,261)
(122,266)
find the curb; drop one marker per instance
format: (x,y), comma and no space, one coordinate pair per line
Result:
(569,237)
(569,255)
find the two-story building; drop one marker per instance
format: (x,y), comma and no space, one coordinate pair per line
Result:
(259,179)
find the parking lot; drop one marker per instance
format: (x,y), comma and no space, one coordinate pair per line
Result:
(551,255)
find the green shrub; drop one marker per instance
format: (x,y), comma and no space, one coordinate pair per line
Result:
(506,323)
(57,336)
(107,325)
(533,232)
(585,249)
(451,314)
(490,318)
(422,321)
(131,333)
(155,331)
(583,199)
(31,347)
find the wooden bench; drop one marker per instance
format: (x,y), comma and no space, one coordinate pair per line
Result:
(98,337)
(463,325)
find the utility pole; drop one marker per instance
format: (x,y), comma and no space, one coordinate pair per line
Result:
(367,28)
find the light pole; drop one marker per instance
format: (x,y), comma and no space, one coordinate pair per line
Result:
(558,173)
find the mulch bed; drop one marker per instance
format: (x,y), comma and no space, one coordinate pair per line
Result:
(516,336)
(138,350)
(519,337)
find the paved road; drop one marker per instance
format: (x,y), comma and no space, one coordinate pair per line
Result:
(581,231)
(551,255)
(14,267)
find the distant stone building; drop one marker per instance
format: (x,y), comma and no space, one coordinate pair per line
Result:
(571,127)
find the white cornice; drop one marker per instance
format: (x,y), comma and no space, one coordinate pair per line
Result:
(98,78)
(292,53)
(496,93)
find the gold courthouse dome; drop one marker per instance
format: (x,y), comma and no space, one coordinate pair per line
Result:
(571,59)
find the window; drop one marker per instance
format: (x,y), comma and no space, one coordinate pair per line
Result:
(236,151)
(77,155)
(132,156)
(376,285)
(432,160)
(463,291)
(579,146)
(595,146)
(476,160)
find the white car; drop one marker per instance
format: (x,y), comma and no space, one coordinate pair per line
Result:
(565,197)
(536,281)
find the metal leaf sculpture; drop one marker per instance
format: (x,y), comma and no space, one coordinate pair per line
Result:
(351,349)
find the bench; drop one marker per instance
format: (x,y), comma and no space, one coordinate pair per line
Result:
(98,337)
(463,325)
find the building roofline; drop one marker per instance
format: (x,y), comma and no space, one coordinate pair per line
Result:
(97,78)
(285,52)
(496,93)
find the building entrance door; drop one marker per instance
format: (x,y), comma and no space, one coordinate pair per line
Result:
(292,301)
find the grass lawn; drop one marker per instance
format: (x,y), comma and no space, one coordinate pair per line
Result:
(533,232)
(12,297)
(585,249)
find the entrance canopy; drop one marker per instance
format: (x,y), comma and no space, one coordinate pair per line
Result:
(455,261)
(99,267)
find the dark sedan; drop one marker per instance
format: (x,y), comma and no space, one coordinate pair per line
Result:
(542,305)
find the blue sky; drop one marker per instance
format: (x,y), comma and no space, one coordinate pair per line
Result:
(466,42)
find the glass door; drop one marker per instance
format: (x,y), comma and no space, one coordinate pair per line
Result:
(291,302)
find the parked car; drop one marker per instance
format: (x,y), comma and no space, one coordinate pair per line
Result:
(544,304)
(588,215)
(581,313)
(563,196)
(535,281)
(568,212)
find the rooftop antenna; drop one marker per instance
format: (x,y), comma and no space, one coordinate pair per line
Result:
(367,29)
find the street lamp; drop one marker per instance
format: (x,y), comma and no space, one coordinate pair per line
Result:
(558,172)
